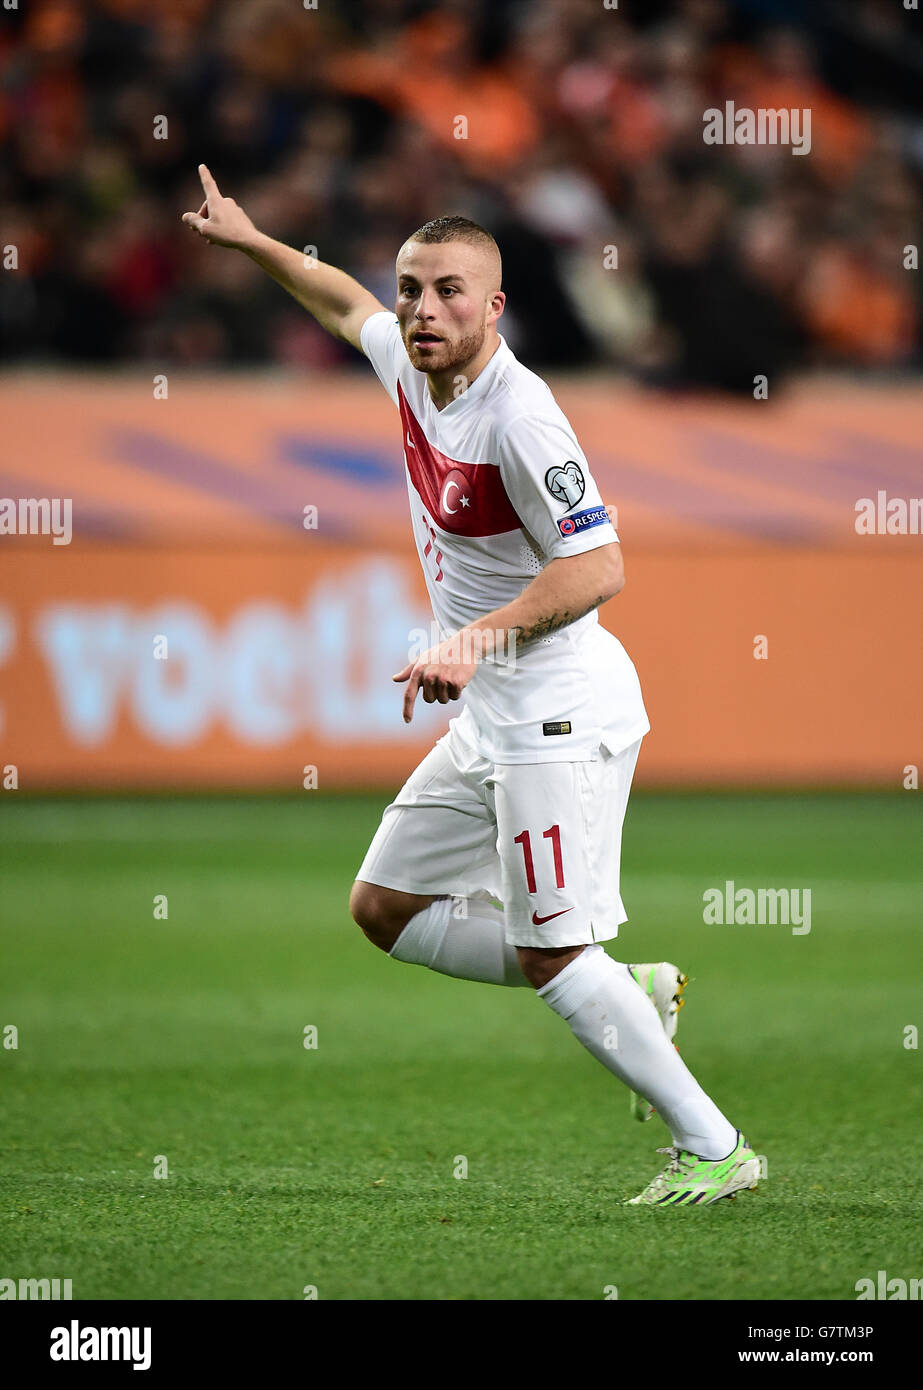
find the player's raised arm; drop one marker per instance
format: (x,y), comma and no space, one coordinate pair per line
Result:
(338,302)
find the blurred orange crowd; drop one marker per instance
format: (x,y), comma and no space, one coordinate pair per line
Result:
(566,127)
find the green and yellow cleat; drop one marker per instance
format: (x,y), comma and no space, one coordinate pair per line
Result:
(689,1180)
(663,984)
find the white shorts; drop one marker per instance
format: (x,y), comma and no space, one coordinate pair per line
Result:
(544,839)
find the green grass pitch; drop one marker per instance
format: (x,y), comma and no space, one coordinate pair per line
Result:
(142,1039)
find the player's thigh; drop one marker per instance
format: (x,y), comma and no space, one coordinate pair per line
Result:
(559,828)
(438,837)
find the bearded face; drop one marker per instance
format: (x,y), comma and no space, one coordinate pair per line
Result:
(447,300)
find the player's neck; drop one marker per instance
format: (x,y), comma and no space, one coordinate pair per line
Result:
(447,386)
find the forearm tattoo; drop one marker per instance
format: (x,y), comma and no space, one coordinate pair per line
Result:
(552,622)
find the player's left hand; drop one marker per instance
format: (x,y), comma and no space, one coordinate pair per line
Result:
(439,673)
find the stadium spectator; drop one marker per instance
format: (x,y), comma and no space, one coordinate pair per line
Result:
(566,127)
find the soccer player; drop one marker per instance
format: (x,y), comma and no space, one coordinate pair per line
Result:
(499,859)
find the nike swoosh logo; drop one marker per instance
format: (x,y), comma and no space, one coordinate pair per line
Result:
(537,921)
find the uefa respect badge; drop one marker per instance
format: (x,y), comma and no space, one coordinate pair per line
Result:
(582,521)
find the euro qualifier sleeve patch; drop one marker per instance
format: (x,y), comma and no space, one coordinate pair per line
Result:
(582,521)
(566,484)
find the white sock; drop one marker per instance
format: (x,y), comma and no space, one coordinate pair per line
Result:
(462,937)
(620,1026)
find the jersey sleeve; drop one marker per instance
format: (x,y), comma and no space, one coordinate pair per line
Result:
(381,341)
(549,484)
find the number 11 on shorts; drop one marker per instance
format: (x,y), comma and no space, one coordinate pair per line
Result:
(553,833)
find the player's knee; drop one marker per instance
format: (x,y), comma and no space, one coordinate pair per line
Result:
(371,909)
(366,911)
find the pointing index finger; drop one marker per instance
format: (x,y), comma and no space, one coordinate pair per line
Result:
(208,183)
(410,694)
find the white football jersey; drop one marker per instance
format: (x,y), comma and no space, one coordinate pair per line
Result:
(499,486)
